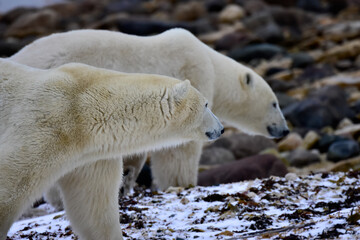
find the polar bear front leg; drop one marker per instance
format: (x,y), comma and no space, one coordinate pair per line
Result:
(90,195)
(176,166)
(53,196)
(132,168)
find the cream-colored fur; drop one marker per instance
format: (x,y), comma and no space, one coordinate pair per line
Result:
(236,94)
(52,122)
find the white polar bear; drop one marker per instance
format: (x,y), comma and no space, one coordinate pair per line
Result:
(53,121)
(236,94)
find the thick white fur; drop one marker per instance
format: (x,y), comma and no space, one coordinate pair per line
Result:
(52,122)
(177,53)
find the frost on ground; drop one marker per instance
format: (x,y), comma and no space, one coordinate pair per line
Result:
(321,206)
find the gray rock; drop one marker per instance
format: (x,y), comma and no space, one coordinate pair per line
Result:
(264,27)
(256,51)
(285,100)
(301,158)
(326,141)
(326,107)
(259,166)
(343,150)
(216,155)
(243,145)
(38,23)
(301,60)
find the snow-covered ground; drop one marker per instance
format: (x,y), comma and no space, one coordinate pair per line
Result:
(320,206)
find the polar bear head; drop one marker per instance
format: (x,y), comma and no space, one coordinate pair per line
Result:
(263,114)
(249,103)
(183,105)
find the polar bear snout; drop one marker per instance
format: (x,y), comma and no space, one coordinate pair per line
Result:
(215,134)
(213,127)
(277,132)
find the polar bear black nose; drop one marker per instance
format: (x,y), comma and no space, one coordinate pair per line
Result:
(222,130)
(214,134)
(285,132)
(274,131)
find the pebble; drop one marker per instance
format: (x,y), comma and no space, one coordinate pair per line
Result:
(301,157)
(291,176)
(231,13)
(290,142)
(310,139)
(216,155)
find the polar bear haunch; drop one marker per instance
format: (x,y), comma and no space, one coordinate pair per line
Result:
(54,121)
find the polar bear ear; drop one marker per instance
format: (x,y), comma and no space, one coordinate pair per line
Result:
(180,90)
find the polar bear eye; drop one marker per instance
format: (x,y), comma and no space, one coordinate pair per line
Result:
(206,105)
(248,78)
(274,104)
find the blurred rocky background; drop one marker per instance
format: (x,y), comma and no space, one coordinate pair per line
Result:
(307,50)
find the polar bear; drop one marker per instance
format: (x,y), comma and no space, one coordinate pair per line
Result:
(54,121)
(236,94)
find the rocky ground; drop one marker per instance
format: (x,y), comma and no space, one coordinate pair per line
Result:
(307,50)
(316,206)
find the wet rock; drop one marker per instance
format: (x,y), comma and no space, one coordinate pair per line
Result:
(264,27)
(343,150)
(346,165)
(301,158)
(8,48)
(285,100)
(145,27)
(215,5)
(16,13)
(348,49)
(38,23)
(258,166)
(352,130)
(223,142)
(344,124)
(274,70)
(293,19)
(231,40)
(310,5)
(128,6)
(212,37)
(70,9)
(243,145)
(326,141)
(231,13)
(189,11)
(325,107)
(285,3)
(290,142)
(301,60)
(281,86)
(313,73)
(256,51)
(343,80)
(216,155)
(344,64)
(356,107)
(254,6)
(310,139)
(342,30)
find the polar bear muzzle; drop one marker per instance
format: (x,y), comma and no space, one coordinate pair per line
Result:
(214,127)
(277,132)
